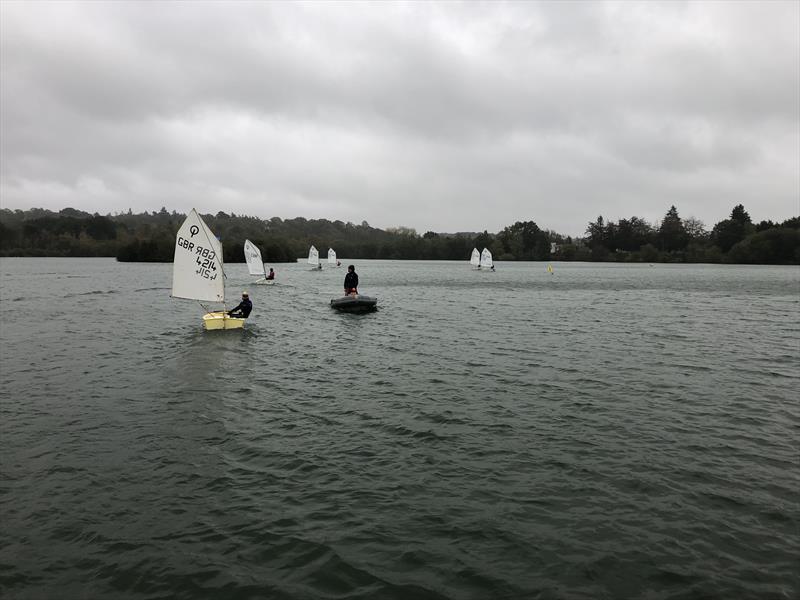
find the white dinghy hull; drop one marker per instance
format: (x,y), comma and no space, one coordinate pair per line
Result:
(220,320)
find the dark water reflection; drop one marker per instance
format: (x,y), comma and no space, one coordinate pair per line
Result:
(610,431)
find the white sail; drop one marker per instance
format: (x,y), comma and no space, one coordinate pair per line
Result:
(252,255)
(313,256)
(475,259)
(197,271)
(331,256)
(486,258)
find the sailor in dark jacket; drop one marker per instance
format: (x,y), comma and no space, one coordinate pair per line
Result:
(351,282)
(244,308)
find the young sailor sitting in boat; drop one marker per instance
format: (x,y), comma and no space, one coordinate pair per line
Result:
(271,274)
(351,282)
(243,310)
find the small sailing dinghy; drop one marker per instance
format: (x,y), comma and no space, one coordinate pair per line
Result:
(486,260)
(313,258)
(255,266)
(198,273)
(356,303)
(475,259)
(332,258)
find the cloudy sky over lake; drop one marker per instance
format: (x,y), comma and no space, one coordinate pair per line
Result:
(450,117)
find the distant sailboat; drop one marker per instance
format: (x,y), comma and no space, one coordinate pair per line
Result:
(475,259)
(486,259)
(550,269)
(198,272)
(313,258)
(255,266)
(332,257)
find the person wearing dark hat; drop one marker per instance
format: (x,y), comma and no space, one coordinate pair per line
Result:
(243,310)
(351,282)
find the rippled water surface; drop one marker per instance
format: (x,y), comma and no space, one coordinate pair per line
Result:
(608,431)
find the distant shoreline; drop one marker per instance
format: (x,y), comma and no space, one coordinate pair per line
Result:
(442,260)
(150,237)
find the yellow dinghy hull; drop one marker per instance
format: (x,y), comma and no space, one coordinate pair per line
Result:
(221,320)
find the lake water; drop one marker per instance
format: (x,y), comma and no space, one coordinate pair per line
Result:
(608,431)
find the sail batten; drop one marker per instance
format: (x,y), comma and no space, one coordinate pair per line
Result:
(255,266)
(197,272)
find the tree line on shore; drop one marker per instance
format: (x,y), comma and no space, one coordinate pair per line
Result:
(150,237)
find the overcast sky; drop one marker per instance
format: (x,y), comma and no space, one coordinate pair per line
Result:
(445,117)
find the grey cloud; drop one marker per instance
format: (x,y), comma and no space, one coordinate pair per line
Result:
(438,116)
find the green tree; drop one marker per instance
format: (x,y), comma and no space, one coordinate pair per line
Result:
(484,240)
(672,233)
(101,228)
(740,214)
(731,231)
(695,228)
(649,253)
(596,233)
(773,246)
(525,240)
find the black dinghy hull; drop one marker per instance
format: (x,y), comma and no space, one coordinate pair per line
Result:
(355,303)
